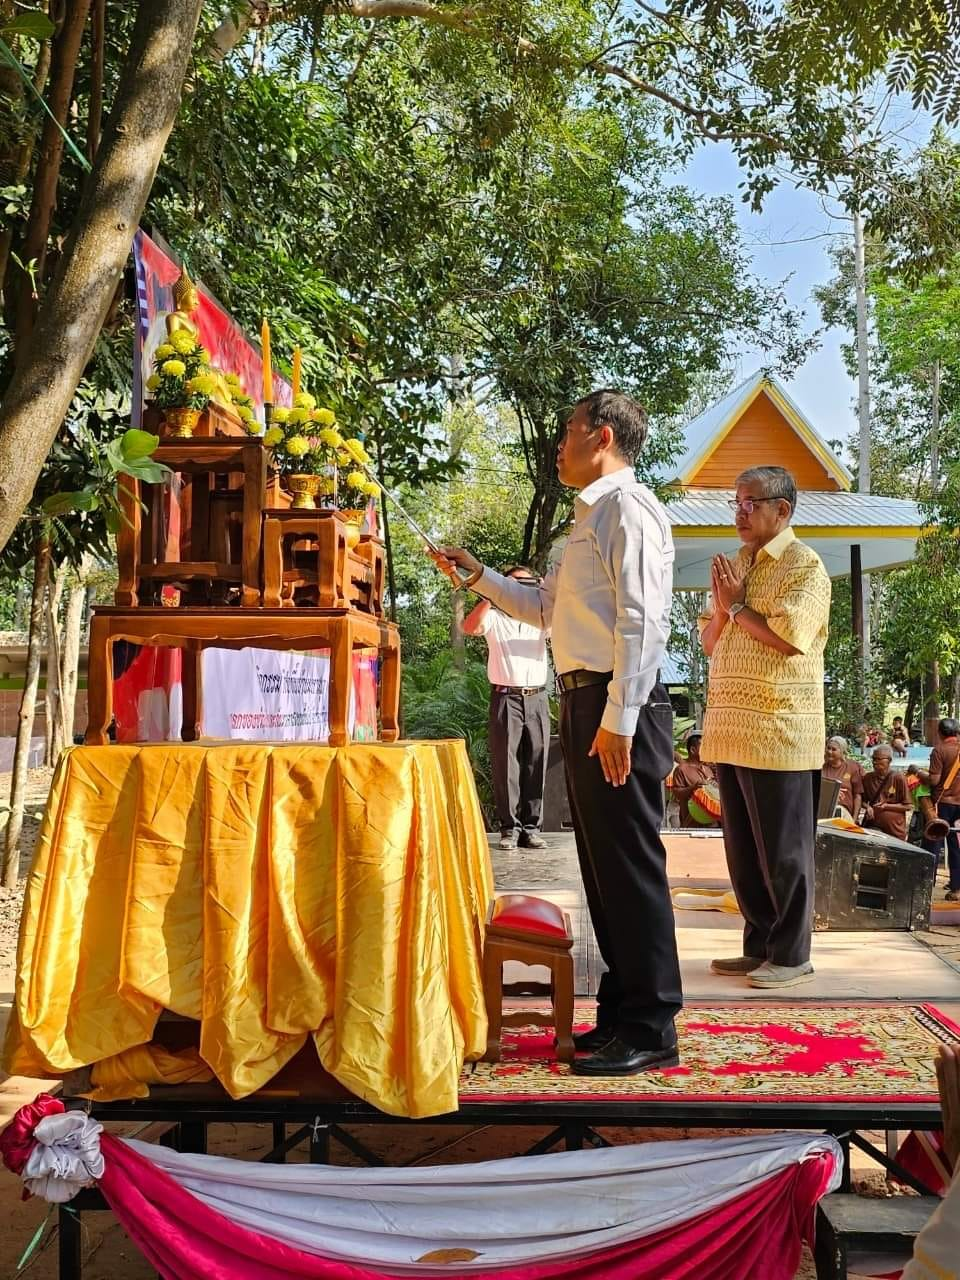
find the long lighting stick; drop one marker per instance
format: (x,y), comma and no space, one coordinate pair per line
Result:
(452,574)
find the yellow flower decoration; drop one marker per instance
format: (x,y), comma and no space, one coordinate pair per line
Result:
(355,479)
(371,488)
(326,417)
(281,415)
(164,351)
(182,342)
(251,426)
(202,355)
(356,451)
(327,485)
(297,446)
(153,382)
(245,412)
(272,436)
(173,368)
(233,380)
(298,416)
(305,401)
(330,437)
(201,385)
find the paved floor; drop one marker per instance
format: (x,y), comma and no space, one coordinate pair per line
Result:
(854,966)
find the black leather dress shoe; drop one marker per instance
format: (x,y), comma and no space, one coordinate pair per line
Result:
(619,1059)
(594,1039)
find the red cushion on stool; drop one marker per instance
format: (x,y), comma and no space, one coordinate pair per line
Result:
(523,913)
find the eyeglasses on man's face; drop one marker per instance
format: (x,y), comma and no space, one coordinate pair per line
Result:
(746,505)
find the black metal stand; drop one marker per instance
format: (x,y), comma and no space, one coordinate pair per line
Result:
(571,1125)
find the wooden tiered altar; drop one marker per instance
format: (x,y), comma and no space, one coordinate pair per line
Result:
(244,573)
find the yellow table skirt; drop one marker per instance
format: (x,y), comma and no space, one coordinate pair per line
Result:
(271,892)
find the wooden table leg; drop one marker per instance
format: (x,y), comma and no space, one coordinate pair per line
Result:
(390,688)
(99,682)
(341,681)
(254,495)
(562,983)
(128,542)
(272,563)
(493,998)
(192,686)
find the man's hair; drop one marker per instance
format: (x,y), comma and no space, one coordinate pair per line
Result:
(837,741)
(882,750)
(517,568)
(775,482)
(625,417)
(949,728)
(695,736)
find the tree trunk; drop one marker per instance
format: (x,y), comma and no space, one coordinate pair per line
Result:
(931,704)
(70,653)
(387,540)
(10,871)
(863,410)
(63,67)
(53,734)
(114,197)
(911,706)
(935,379)
(95,107)
(21,166)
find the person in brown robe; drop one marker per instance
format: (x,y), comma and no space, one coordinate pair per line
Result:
(886,796)
(687,776)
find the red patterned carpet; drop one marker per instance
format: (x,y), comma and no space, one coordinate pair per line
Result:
(796,1052)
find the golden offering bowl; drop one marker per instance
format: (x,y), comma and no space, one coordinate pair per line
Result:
(182,421)
(304,489)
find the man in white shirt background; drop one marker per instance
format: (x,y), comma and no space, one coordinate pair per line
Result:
(608,607)
(519,727)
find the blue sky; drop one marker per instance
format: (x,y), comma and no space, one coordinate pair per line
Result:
(790,238)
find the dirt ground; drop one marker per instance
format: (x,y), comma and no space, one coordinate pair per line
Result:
(108,1254)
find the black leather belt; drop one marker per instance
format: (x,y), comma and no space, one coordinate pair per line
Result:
(516,688)
(580,678)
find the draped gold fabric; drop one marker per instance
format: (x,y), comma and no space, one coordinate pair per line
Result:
(270,892)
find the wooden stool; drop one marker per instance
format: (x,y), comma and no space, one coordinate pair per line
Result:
(532,931)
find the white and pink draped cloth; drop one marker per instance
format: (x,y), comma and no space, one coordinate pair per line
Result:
(719,1209)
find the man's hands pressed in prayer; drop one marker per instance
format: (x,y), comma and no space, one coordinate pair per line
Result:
(614,752)
(726,583)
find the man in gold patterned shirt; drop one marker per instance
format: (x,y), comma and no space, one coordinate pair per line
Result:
(764,724)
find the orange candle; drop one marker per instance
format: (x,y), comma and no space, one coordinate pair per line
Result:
(267,367)
(295,372)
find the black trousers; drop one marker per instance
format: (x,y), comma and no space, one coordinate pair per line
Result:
(769,820)
(624,867)
(950,813)
(519,737)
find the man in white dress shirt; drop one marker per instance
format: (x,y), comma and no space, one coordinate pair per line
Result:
(519,727)
(608,607)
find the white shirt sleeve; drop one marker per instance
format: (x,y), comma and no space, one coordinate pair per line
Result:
(533,605)
(630,544)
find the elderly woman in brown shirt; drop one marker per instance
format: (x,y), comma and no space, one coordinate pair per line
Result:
(848,773)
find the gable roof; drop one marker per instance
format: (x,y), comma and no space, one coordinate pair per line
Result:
(706,432)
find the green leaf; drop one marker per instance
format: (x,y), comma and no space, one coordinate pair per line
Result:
(112,519)
(136,444)
(36,25)
(59,504)
(144,469)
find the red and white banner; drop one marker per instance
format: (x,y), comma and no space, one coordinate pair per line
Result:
(252,695)
(721,1209)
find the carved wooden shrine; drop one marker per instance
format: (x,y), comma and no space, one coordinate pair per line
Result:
(246,574)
